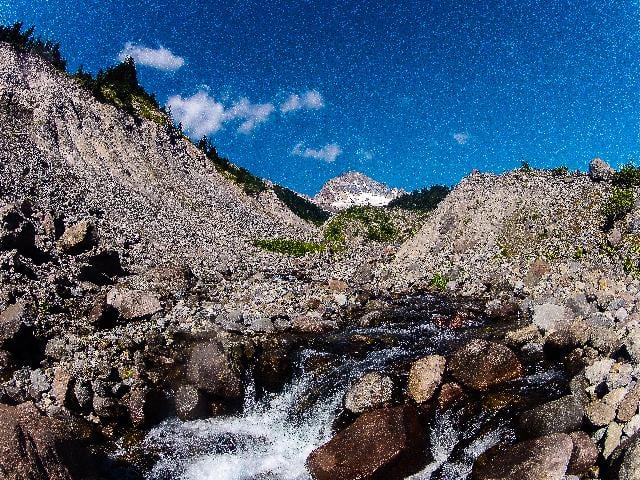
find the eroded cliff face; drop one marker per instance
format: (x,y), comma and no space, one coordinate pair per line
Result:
(140,180)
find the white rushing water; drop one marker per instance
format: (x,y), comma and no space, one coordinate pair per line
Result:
(273,437)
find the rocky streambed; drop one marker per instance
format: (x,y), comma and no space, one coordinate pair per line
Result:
(428,390)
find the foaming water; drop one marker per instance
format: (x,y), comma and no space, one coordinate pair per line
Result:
(274,435)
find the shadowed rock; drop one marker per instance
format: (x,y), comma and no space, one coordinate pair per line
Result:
(381,444)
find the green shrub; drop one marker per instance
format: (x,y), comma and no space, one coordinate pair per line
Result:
(525,167)
(438,282)
(249,182)
(559,171)
(424,199)
(289,246)
(27,42)
(373,223)
(628,176)
(619,203)
(118,86)
(302,207)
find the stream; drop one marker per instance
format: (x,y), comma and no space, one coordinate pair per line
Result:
(275,433)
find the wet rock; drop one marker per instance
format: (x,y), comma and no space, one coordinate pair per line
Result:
(584,455)
(274,363)
(213,371)
(550,317)
(545,458)
(78,238)
(450,395)
(191,403)
(33,446)
(563,415)
(425,377)
(482,364)
(133,304)
(600,171)
(386,443)
(373,390)
(559,344)
(312,323)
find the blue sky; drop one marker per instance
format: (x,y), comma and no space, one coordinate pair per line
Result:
(412,93)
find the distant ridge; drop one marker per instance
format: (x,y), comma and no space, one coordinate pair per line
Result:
(355,189)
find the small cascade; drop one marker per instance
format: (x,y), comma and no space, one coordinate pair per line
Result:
(273,436)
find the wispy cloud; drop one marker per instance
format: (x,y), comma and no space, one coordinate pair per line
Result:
(461,137)
(201,115)
(311,100)
(160,58)
(328,153)
(251,114)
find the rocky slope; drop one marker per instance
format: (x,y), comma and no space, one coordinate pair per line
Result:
(139,180)
(354,189)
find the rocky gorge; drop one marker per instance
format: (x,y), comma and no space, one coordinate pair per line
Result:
(143,334)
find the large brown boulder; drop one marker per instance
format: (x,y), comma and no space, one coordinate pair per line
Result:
(34,447)
(482,365)
(213,371)
(585,453)
(381,444)
(545,458)
(563,415)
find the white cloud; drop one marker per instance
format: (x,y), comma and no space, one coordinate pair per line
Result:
(461,137)
(328,153)
(252,114)
(201,115)
(160,58)
(311,100)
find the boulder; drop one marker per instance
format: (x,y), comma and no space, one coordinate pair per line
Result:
(584,455)
(78,238)
(600,171)
(133,304)
(145,406)
(13,325)
(482,364)
(387,443)
(450,395)
(563,415)
(191,403)
(170,279)
(545,458)
(550,317)
(107,408)
(373,390)
(33,446)
(216,373)
(425,377)
(630,404)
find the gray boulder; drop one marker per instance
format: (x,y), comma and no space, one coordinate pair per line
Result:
(600,171)
(425,377)
(371,391)
(133,304)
